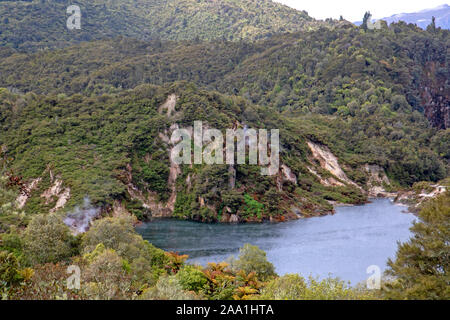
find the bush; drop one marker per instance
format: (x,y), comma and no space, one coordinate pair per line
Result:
(287,287)
(146,262)
(9,268)
(48,239)
(106,277)
(333,289)
(191,278)
(167,288)
(114,233)
(253,259)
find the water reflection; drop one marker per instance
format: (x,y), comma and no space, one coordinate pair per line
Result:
(342,245)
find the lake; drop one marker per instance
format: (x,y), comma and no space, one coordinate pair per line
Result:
(341,245)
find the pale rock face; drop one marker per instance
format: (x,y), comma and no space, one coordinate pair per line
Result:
(232,180)
(56,190)
(434,193)
(377,177)
(418,199)
(23,198)
(169,105)
(288,174)
(119,210)
(328,182)
(329,162)
(157,208)
(62,200)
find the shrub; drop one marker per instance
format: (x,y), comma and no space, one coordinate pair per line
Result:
(253,259)
(48,239)
(287,287)
(167,288)
(9,268)
(191,278)
(114,233)
(106,277)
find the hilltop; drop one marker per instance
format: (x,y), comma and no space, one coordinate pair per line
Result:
(32,25)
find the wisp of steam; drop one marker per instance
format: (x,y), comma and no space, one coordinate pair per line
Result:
(80,218)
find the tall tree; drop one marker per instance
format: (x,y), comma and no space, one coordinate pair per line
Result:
(366,20)
(422,265)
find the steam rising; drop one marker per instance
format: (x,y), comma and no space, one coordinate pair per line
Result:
(80,219)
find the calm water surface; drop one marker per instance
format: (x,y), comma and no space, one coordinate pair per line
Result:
(341,245)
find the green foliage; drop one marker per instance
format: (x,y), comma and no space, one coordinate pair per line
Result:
(25,24)
(422,265)
(167,288)
(183,205)
(221,283)
(367,112)
(252,207)
(191,278)
(294,287)
(9,269)
(334,289)
(106,277)
(144,262)
(253,259)
(48,239)
(90,115)
(12,242)
(287,287)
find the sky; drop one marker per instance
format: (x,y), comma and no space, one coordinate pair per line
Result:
(353,10)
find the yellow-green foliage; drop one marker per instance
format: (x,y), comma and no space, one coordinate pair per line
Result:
(47,239)
(106,278)
(24,22)
(295,287)
(167,288)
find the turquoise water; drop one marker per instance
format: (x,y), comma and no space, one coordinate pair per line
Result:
(342,245)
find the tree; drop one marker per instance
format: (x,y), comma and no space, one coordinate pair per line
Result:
(253,259)
(422,265)
(146,262)
(295,287)
(432,26)
(366,20)
(115,233)
(106,277)
(48,239)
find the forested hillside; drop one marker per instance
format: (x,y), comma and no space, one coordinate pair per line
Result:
(368,97)
(307,71)
(42,23)
(86,132)
(364,94)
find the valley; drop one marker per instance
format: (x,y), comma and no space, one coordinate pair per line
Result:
(158,135)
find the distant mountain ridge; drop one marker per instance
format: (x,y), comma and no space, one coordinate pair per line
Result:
(422,18)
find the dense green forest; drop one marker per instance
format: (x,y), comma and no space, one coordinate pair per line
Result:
(43,22)
(86,122)
(91,143)
(360,93)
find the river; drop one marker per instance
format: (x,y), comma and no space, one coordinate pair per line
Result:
(342,245)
